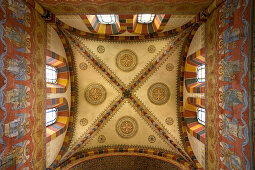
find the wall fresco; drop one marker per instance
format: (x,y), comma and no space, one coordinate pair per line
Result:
(227,79)
(21,84)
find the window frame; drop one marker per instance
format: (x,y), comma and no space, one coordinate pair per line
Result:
(52,80)
(201,115)
(100,18)
(141,16)
(201,73)
(52,121)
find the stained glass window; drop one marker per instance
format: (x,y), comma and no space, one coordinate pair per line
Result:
(201,115)
(51,74)
(201,73)
(51,116)
(107,19)
(145,18)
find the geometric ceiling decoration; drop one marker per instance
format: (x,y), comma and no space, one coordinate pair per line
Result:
(126,127)
(126,60)
(117,98)
(158,93)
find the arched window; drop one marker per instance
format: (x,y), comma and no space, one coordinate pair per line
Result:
(51,74)
(107,19)
(145,18)
(201,73)
(201,115)
(51,116)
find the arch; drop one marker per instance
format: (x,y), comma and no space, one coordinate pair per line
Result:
(190,74)
(190,117)
(59,62)
(126,22)
(59,127)
(124,150)
(95,26)
(157,25)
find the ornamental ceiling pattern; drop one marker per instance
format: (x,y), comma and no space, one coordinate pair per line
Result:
(119,98)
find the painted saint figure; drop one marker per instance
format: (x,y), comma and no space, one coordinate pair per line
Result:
(19,152)
(19,68)
(228,127)
(19,37)
(18,127)
(229,97)
(20,12)
(229,158)
(19,97)
(229,69)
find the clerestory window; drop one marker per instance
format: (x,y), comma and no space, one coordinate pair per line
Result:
(51,116)
(201,115)
(201,73)
(145,18)
(51,74)
(107,19)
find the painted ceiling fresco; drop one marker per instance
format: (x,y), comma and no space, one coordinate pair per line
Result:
(125,6)
(118,83)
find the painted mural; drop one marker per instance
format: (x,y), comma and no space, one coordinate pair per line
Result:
(21,51)
(228,81)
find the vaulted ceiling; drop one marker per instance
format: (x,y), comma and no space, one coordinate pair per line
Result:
(127,89)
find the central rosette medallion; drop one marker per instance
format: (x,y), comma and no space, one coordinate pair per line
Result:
(95,94)
(126,127)
(158,93)
(126,60)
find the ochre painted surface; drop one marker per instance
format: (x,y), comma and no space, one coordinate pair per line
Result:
(92,112)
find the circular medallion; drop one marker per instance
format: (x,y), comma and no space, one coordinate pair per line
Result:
(158,93)
(151,49)
(126,127)
(83,122)
(100,49)
(169,67)
(83,66)
(95,94)
(169,121)
(151,139)
(101,139)
(126,60)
